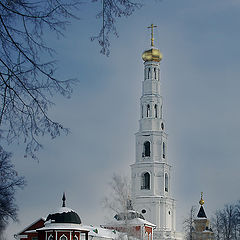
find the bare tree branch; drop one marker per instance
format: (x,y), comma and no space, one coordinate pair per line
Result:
(27,83)
(189,222)
(226,222)
(9,183)
(111,11)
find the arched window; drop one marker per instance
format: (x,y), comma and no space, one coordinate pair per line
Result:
(146,149)
(149,70)
(155,73)
(50,237)
(161,112)
(148,110)
(145,181)
(142,111)
(63,237)
(164,149)
(156,110)
(75,237)
(166,182)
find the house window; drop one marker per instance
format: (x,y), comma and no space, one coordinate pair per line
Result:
(156,110)
(144,211)
(148,110)
(146,149)
(83,236)
(155,73)
(166,182)
(149,70)
(164,150)
(63,237)
(145,181)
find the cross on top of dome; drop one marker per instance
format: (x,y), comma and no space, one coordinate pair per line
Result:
(152,39)
(152,54)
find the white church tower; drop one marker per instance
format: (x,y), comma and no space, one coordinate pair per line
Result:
(151,172)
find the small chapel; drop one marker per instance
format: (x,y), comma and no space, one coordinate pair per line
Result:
(201,227)
(63,224)
(132,223)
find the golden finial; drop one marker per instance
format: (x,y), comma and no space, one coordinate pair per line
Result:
(152,54)
(201,202)
(152,39)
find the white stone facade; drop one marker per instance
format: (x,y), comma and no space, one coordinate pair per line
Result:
(151,173)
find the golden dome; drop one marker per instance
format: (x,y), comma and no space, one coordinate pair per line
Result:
(152,54)
(201,202)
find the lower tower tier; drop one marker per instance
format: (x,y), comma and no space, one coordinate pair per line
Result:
(158,210)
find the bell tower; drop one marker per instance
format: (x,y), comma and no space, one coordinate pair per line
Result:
(151,172)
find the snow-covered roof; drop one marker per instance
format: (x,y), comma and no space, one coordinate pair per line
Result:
(208,230)
(202,218)
(64,215)
(63,210)
(94,231)
(30,231)
(133,222)
(61,226)
(97,231)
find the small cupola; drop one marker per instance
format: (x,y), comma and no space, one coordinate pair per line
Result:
(64,214)
(129,214)
(152,54)
(201,213)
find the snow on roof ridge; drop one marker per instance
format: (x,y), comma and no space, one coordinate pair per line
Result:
(60,226)
(63,210)
(135,221)
(101,232)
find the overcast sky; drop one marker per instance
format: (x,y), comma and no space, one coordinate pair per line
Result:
(200,87)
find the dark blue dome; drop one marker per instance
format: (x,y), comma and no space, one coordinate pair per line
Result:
(64,215)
